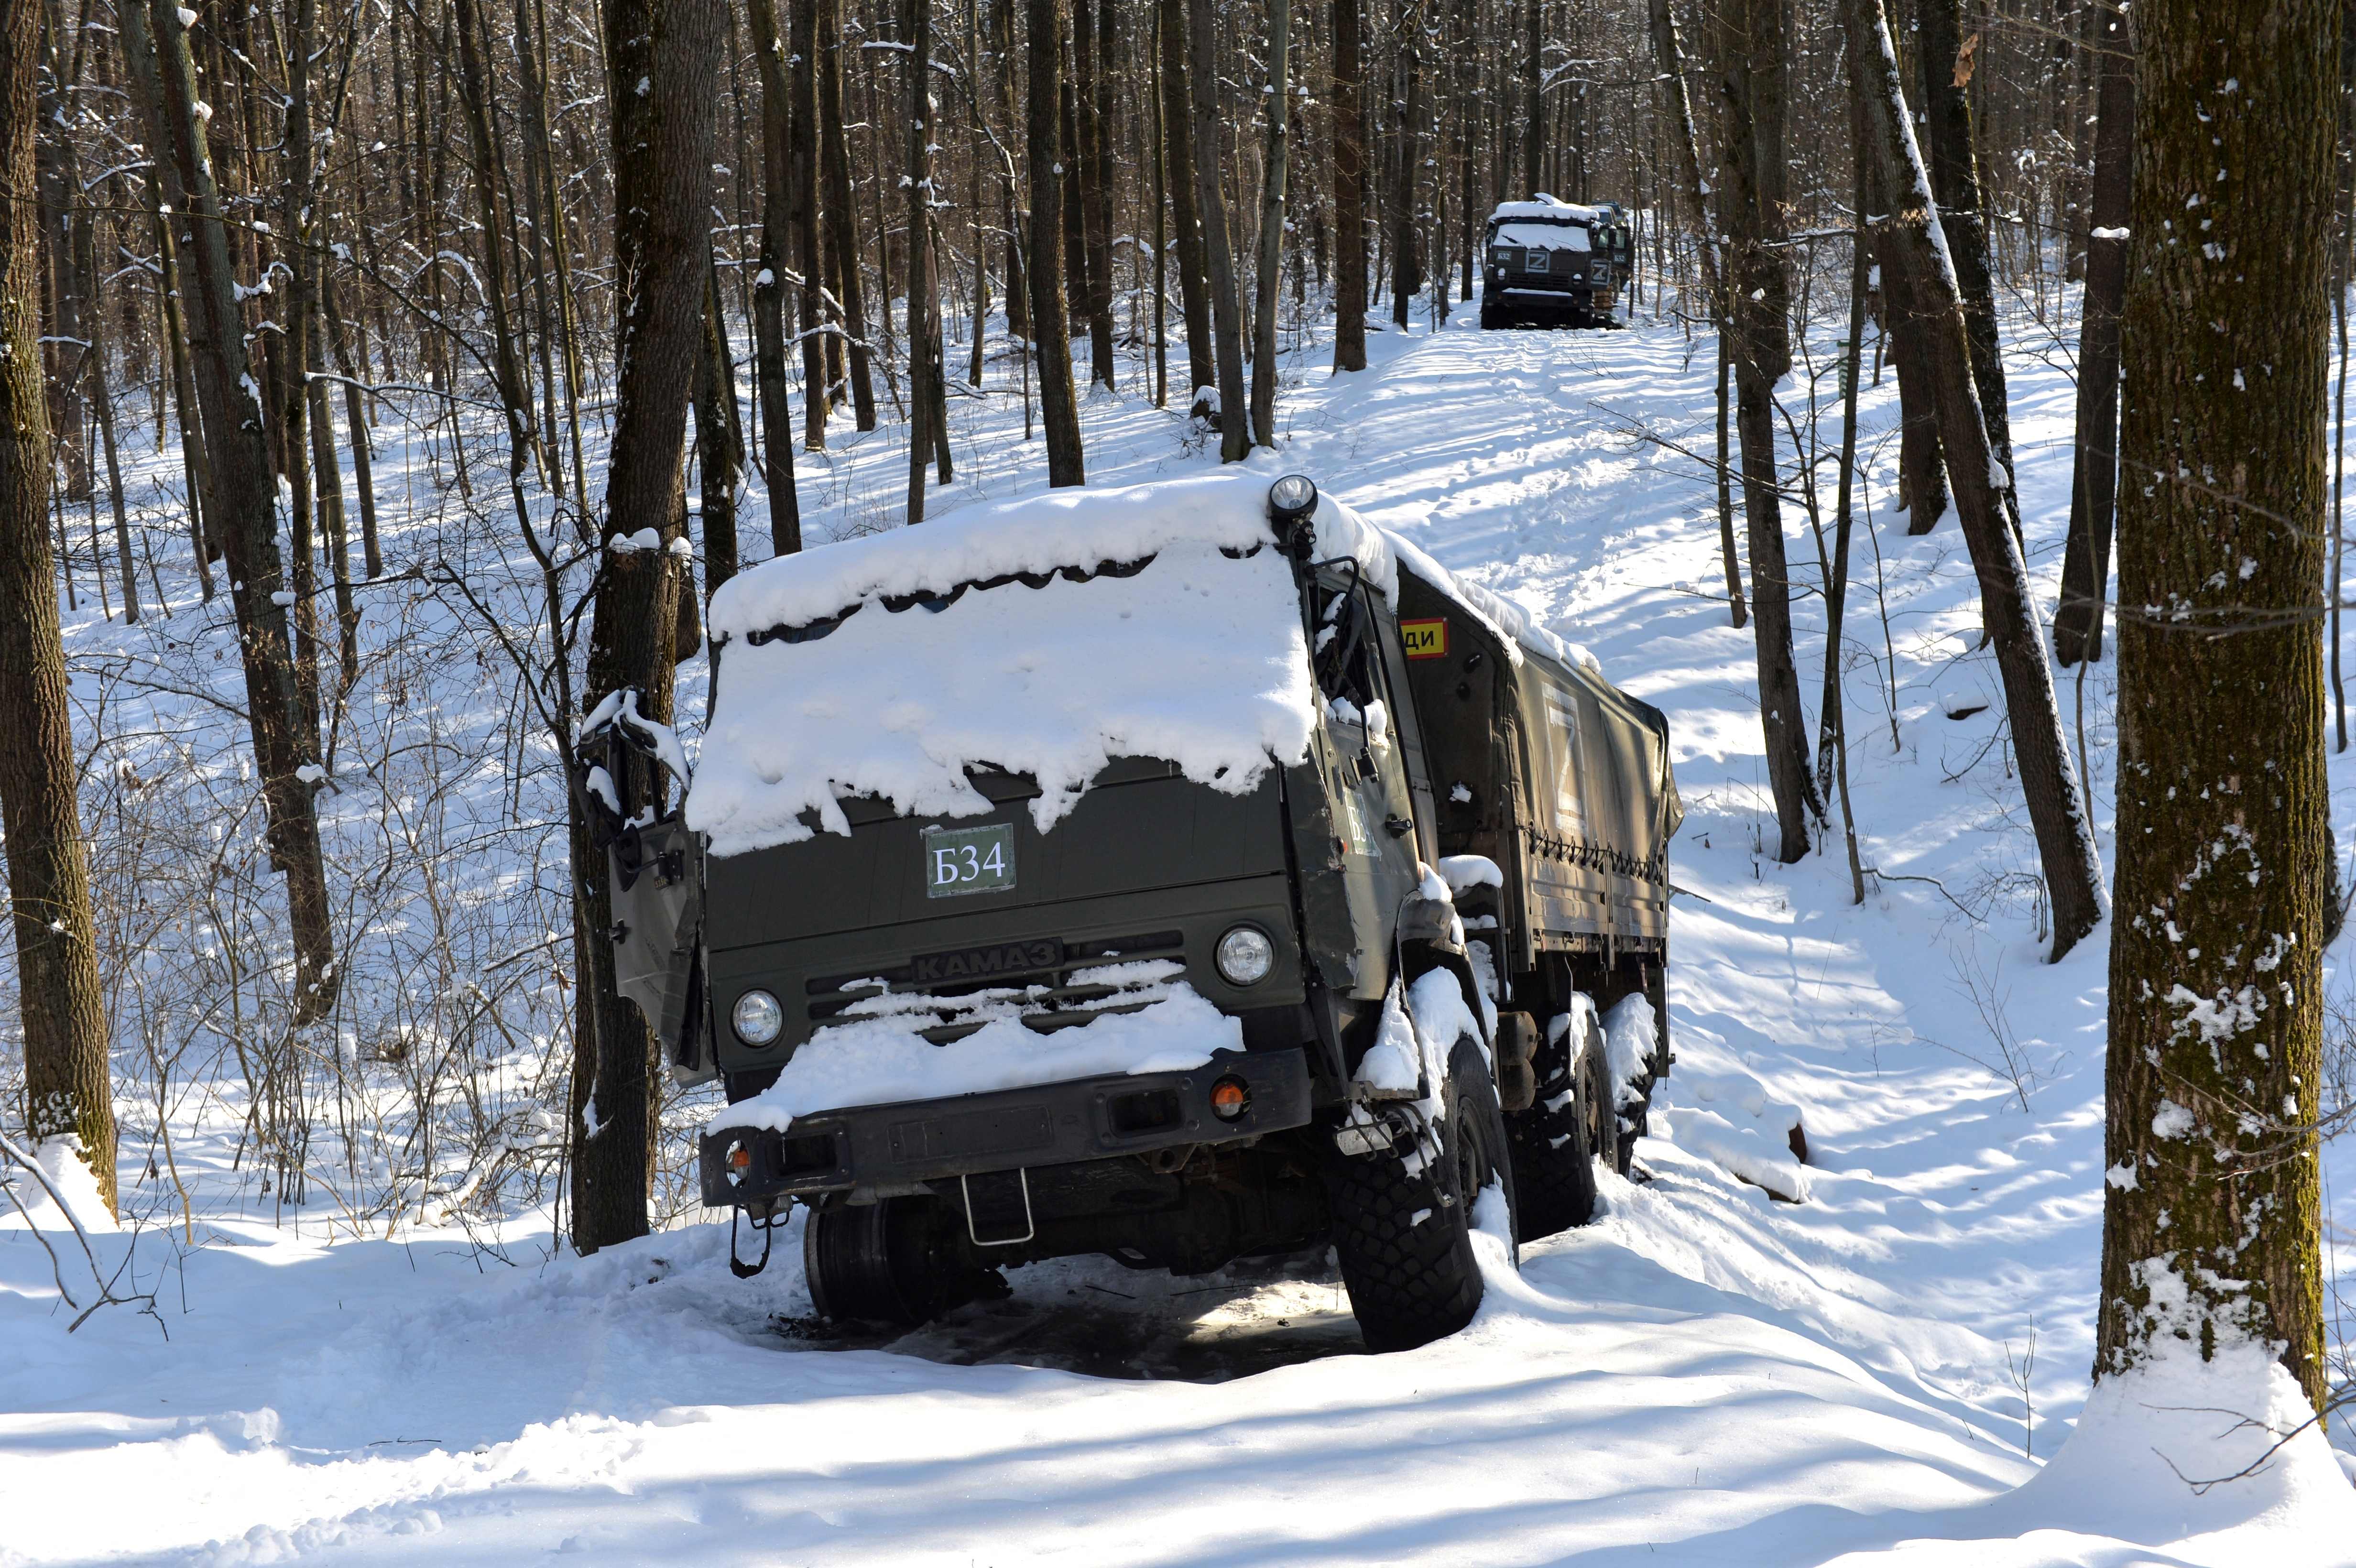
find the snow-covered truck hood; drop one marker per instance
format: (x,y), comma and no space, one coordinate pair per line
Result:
(1047,636)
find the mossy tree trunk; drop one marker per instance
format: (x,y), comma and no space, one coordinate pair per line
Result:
(59,1002)
(2211,1215)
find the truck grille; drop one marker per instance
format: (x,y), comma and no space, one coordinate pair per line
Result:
(1048,985)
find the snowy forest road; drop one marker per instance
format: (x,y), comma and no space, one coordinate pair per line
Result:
(1702,1375)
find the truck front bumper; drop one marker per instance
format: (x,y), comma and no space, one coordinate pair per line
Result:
(898,1146)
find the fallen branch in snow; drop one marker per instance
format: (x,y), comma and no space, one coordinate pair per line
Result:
(2243,1422)
(102,1281)
(1876,872)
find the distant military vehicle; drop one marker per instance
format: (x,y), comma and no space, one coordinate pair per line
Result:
(1177,874)
(1549,263)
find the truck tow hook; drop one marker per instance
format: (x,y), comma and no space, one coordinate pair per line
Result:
(736,1263)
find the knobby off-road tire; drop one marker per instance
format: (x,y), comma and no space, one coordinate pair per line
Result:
(1409,1282)
(894,1261)
(1551,1149)
(1638,1116)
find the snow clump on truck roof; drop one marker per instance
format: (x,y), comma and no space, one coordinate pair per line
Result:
(1044,636)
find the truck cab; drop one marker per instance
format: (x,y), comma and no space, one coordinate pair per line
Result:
(1151,873)
(1549,263)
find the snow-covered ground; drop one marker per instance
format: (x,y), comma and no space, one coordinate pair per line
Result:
(1704,1375)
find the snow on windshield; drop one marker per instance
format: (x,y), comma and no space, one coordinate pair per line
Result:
(1554,236)
(1197,659)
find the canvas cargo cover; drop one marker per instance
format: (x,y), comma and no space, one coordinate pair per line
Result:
(1549,770)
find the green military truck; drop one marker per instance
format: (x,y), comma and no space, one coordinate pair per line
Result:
(1179,874)
(1547,262)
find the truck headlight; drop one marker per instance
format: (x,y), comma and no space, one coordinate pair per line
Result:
(757,1018)
(1244,955)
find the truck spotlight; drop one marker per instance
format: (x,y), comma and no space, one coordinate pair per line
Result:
(1244,955)
(1230,1098)
(757,1018)
(1291,500)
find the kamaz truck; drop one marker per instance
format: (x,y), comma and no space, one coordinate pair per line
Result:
(1178,874)
(1547,262)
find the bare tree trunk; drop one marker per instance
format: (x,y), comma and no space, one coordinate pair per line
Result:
(842,216)
(195,465)
(104,404)
(1018,280)
(363,476)
(1160,153)
(1349,188)
(1058,399)
(243,518)
(662,199)
(1668,48)
(2211,1218)
(1749,51)
(976,211)
(719,440)
(2094,479)
(1832,734)
(1271,220)
(1533,99)
(60,278)
(778,216)
(808,249)
(2050,785)
(1092,105)
(923,352)
(1406,156)
(1218,254)
(1921,466)
(1963,216)
(290,354)
(60,1005)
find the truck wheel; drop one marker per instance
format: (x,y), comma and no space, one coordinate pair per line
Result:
(1405,1237)
(1552,1144)
(894,1261)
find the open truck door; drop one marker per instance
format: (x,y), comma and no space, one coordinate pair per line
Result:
(654,868)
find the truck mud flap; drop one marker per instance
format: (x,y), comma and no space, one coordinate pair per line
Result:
(653,876)
(657,938)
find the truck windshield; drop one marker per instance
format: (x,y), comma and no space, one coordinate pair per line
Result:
(1194,655)
(1542,234)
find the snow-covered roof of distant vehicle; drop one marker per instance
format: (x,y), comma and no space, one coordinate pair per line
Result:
(1545,209)
(1072,628)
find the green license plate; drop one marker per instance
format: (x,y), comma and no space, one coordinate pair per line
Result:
(968,860)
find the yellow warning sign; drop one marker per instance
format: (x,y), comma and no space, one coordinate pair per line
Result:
(1425,639)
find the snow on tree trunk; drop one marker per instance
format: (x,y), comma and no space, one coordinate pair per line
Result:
(664,53)
(2211,1209)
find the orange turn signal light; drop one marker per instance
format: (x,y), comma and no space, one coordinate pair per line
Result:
(739,1158)
(1229,1099)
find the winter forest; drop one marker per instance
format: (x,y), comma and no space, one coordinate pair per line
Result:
(395,395)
